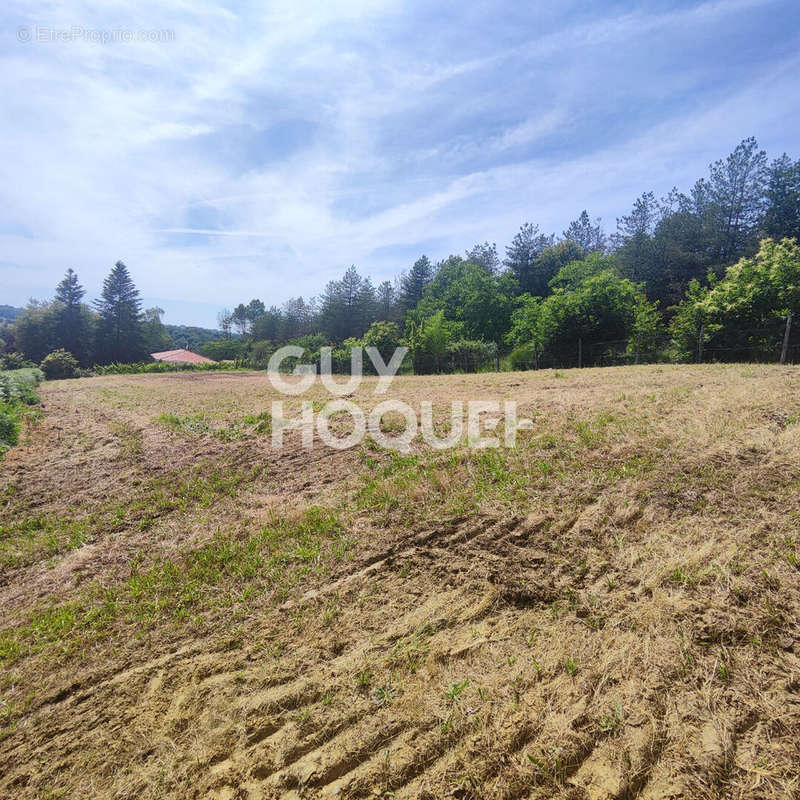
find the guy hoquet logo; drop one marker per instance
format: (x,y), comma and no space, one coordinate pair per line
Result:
(482,416)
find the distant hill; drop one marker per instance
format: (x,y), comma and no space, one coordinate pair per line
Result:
(9,313)
(189,337)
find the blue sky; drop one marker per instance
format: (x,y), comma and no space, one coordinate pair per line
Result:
(260,148)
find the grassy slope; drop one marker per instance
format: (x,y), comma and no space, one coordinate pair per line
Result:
(609,610)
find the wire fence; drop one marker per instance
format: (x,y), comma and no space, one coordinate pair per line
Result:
(779,343)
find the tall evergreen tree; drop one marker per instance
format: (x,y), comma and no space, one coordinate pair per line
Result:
(590,237)
(521,256)
(72,326)
(735,190)
(241,318)
(413,283)
(120,336)
(386,299)
(348,306)
(634,238)
(782,217)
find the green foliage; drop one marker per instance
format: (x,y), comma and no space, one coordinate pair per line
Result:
(60,364)
(384,336)
(190,337)
(602,308)
(17,389)
(413,283)
(120,334)
(525,321)
(428,341)
(14,361)
(591,302)
(467,294)
(589,237)
(745,311)
(348,306)
(525,356)
(19,385)
(782,218)
(10,418)
(260,354)
(668,249)
(155,367)
(35,331)
(524,258)
(572,275)
(72,319)
(223,349)
(465,355)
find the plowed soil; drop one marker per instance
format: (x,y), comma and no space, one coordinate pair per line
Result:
(611,609)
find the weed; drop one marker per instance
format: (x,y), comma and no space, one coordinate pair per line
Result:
(385,694)
(571,666)
(455,690)
(363,677)
(611,722)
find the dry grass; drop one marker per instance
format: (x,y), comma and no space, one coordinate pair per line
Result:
(609,610)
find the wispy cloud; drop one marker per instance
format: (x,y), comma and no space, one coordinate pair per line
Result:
(294,139)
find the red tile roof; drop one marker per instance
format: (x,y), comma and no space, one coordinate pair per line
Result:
(182,357)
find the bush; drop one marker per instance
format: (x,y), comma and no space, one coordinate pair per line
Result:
(223,349)
(15,361)
(60,364)
(523,357)
(19,386)
(9,426)
(157,367)
(16,390)
(466,355)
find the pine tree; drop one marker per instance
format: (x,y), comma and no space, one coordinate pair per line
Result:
(69,291)
(522,254)
(386,299)
(782,217)
(348,306)
(413,283)
(590,237)
(736,189)
(72,319)
(119,333)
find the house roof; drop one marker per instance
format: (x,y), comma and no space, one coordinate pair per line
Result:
(182,357)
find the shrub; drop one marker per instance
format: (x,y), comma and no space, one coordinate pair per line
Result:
(19,385)
(156,367)
(60,364)
(15,361)
(524,356)
(466,355)
(9,426)
(223,349)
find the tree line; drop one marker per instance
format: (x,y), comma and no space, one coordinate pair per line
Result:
(675,270)
(114,327)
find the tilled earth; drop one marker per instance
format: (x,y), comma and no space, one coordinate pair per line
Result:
(599,615)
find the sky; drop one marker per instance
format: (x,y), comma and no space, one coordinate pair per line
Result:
(231,150)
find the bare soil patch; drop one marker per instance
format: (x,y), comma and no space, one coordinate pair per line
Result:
(609,610)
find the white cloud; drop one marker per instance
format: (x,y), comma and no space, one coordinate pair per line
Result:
(131,151)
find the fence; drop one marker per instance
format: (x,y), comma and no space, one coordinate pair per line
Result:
(779,343)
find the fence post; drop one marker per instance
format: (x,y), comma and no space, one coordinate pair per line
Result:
(580,353)
(785,349)
(700,344)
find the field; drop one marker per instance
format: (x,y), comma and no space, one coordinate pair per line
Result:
(611,609)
